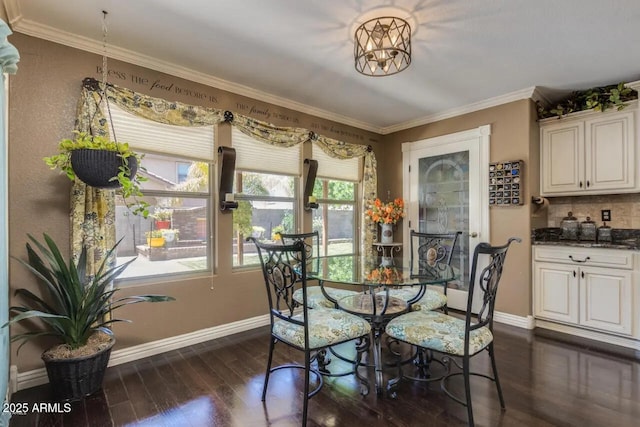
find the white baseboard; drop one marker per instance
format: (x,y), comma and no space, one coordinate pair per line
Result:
(39,376)
(593,335)
(513,320)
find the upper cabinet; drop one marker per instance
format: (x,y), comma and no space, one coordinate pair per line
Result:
(590,153)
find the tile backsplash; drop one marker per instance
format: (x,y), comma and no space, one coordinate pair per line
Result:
(625,209)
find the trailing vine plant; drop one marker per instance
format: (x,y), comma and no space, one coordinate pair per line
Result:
(598,98)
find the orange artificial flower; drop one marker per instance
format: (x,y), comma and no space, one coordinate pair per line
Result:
(385,213)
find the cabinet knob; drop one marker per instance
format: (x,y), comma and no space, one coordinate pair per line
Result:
(588,184)
(473,234)
(574,273)
(582,274)
(580,184)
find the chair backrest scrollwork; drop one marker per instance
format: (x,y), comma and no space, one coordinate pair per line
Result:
(430,249)
(488,280)
(283,267)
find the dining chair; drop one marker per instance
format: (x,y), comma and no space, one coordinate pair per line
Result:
(317,296)
(308,330)
(427,249)
(455,337)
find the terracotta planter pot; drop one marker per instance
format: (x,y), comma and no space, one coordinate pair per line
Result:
(163,224)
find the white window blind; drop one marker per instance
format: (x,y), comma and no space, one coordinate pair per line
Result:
(329,167)
(257,156)
(147,135)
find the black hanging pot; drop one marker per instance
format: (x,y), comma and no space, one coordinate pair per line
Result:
(97,168)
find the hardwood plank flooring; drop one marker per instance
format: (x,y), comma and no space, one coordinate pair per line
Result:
(546,382)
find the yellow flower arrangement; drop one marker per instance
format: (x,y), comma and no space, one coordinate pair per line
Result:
(386,213)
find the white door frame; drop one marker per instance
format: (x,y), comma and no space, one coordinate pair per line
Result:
(478,190)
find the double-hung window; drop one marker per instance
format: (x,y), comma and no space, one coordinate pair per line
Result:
(266,188)
(176,237)
(335,190)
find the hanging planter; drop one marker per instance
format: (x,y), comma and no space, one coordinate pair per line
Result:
(100,168)
(101,163)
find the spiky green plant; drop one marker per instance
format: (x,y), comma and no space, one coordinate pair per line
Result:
(74,304)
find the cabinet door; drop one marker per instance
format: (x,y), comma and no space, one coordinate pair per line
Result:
(609,142)
(606,299)
(562,157)
(556,292)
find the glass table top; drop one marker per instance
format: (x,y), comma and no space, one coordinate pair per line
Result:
(363,270)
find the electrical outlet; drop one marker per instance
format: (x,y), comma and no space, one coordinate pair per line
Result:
(606,214)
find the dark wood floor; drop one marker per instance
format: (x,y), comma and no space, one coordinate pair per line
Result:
(546,382)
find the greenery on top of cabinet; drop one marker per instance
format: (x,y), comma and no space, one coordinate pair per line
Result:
(598,98)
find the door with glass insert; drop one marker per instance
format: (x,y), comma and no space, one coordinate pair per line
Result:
(444,185)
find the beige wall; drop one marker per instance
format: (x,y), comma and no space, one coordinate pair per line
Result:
(42,109)
(513,137)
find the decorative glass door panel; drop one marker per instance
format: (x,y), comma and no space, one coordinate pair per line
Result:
(443,203)
(445,186)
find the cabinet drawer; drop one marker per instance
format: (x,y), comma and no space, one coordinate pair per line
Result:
(585,256)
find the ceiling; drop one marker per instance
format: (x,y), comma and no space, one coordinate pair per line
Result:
(298,54)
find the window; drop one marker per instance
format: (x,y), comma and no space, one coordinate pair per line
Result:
(182,171)
(266,185)
(335,191)
(175,238)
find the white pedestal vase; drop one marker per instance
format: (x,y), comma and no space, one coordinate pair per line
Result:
(386,233)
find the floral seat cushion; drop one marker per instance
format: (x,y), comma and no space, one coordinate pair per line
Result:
(437,331)
(316,299)
(431,300)
(327,327)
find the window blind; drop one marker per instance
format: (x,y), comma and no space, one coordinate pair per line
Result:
(329,167)
(147,135)
(257,156)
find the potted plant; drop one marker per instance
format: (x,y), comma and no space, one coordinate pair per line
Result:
(163,218)
(77,309)
(598,98)
(155,239)
(102,163)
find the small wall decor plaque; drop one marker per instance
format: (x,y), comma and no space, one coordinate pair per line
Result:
(505,183)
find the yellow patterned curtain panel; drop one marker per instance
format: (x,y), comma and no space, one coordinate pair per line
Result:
(92,209)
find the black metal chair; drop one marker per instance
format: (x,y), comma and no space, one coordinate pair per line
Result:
(317,296)
(310,331)
(456,337)
(427,250)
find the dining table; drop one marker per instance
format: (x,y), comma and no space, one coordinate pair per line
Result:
(373,280)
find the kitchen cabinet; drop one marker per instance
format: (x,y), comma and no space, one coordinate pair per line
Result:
(587,288)
(590,153)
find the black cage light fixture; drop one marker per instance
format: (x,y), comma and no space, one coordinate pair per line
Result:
(382,46)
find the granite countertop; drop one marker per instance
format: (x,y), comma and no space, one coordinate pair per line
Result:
(622,238)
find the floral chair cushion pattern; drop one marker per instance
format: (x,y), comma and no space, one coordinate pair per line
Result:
(326,328)
(316,299)
(437,331)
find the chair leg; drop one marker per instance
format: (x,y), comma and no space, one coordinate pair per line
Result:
(266,375)
(495,375)
(307,371)
(467,389)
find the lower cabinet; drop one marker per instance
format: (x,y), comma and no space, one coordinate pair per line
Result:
(573,292)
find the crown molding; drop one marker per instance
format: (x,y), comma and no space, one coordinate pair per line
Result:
(465,109)
(31,28)
(634,85)
(34,29)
